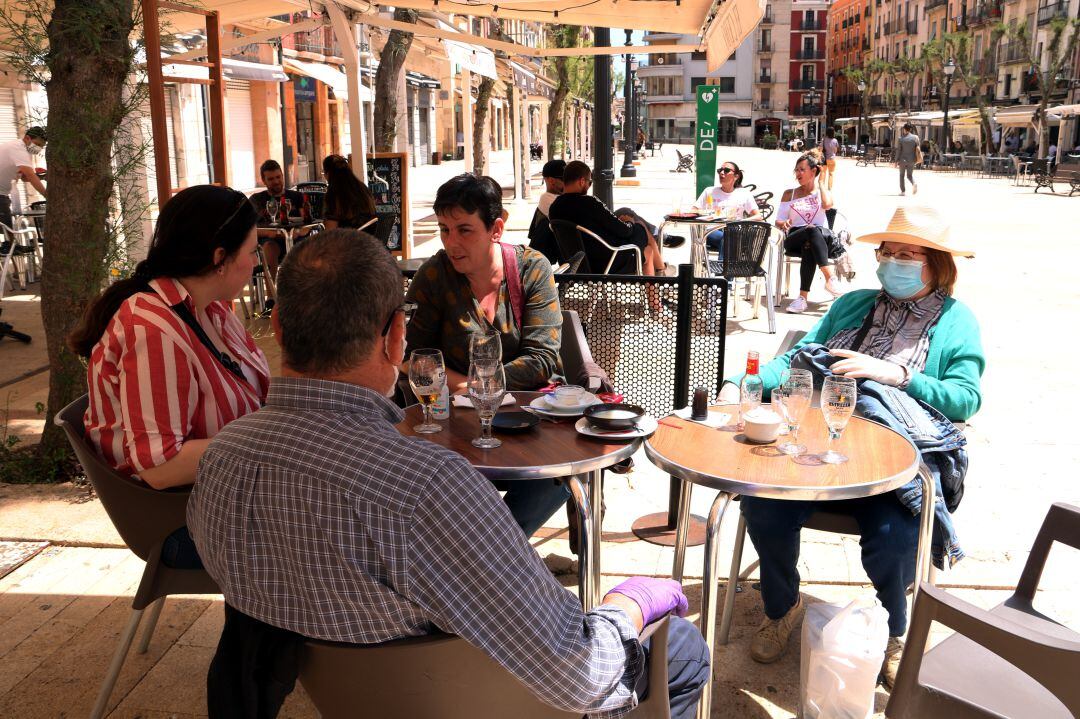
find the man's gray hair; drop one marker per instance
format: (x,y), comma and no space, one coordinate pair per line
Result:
(335,292)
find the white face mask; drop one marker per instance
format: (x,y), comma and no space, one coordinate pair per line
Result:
(33,149)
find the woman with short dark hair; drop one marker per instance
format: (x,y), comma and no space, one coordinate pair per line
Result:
(349,202)
(168,362)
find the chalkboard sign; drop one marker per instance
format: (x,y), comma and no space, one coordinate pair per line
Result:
(388,178)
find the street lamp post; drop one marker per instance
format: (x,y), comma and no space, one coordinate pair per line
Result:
(862,112)
(628,169)
(603,174)
(812,97)
(949,68)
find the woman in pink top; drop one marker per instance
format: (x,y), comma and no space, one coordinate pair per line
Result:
(802,216)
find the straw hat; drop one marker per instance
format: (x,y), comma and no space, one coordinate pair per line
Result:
(917,225)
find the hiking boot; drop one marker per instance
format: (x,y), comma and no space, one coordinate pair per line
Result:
(893,651)
(771,638)
(798,305)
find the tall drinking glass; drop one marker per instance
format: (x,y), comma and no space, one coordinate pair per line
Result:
(427,377)
(485,345)
(837,406)
(796,393)
(487,385)
(272,207)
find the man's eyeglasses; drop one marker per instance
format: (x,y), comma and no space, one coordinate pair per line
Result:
(407,307)
(903,255)
(724,171)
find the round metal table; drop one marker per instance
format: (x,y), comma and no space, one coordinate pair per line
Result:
(700,227)
(880,460)
(550,450)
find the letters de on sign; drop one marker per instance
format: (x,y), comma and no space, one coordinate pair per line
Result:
(705,136)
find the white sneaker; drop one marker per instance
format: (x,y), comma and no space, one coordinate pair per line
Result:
(914,189)
(902,193)
(833,288)
(797,306)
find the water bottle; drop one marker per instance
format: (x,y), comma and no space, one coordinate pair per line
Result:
(751,387)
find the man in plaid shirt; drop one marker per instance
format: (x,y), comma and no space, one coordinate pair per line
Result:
(315,515)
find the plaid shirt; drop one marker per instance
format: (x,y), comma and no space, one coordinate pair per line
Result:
(900,331)
(315,514)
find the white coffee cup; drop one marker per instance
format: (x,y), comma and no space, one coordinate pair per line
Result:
(569,395)
(761,425)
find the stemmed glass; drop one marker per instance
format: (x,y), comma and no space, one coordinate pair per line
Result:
(487,385)
(272,207)
(796,392)
(427,377)
(287,204)
(486,345)
(837,406)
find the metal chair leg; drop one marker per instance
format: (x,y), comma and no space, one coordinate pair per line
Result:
(117,663)
(771,306)
(150,625)
(733,581)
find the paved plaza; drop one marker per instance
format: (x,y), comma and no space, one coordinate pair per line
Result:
(62,611)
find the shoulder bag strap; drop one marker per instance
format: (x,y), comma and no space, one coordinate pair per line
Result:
(513,282)
(226,361)
(864,329)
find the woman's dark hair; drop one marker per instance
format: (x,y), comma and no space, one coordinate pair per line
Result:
(813,158)
(738,173)
(194,223)
(347,199)
(470,193)
(830,132)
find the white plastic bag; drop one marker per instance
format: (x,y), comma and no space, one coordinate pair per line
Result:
(843,648)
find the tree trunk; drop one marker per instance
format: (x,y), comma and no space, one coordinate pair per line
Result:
(388,80)
(481,131)
(555,113)
(90,56)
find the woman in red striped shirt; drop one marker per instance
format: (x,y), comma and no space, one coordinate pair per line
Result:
(169,363)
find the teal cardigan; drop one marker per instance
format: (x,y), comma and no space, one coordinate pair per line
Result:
(950,380)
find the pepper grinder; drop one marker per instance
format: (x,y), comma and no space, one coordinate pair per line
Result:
(700,409)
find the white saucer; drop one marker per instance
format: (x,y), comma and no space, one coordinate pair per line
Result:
(590,399)
(645,426)
(541,405)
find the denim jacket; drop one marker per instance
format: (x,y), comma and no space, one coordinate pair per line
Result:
(941,446)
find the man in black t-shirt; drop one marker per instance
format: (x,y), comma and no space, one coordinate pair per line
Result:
(273,244)
(574,205)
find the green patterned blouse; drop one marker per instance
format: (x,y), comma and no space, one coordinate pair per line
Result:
(447,313)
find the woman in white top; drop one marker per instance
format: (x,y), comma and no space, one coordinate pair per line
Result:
(729,199)
(802,217)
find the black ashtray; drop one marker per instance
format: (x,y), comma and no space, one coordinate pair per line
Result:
(514,421)
(614,416)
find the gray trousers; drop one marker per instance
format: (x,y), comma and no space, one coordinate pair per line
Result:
(908,167)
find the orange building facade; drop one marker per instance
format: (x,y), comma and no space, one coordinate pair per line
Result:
(847,39)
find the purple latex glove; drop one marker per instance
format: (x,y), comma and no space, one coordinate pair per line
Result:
(655,597)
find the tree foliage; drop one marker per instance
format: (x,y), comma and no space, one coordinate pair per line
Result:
(1047,69)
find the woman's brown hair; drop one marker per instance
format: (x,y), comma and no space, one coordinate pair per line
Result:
(194,223)
(942,270)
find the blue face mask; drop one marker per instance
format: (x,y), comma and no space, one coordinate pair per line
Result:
(901,278)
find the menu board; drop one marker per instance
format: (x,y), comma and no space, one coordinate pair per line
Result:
(388,179)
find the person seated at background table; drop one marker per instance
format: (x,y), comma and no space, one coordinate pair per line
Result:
(168,361)
(802,216)
(911,335)
(541,238)
(343,529)
(469,286)
(349,202)
(727,199)
(272,241)
(576,206)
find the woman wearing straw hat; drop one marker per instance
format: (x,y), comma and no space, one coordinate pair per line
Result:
(911,335)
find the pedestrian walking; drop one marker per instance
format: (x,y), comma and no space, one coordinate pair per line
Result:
(909,149)
(829,147)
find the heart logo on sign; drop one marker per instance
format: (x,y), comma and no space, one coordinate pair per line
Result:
(707,96)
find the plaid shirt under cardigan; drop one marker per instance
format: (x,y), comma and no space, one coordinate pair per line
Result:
(315,514)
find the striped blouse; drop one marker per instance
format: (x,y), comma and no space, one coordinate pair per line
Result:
(153,385)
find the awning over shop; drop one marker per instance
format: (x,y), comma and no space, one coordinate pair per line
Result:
(246,70)
(1018,116)
(328,75)
(474,58)
(1063,111)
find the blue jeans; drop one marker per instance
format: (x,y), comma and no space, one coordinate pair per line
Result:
(889,539)
(532,502)
(179,551)
(688,668)
(714,241)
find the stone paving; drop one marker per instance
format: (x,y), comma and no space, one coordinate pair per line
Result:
(61,612)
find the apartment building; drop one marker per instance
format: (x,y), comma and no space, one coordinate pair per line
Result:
(847,20)
(671,81)
(806,66)
(772,54)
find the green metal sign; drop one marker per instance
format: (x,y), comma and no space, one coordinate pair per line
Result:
(705,135)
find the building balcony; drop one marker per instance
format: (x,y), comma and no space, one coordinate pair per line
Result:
(805,54)
(877,101)
(985,66)
(764,78)
(763,105)
(931,4)
(806,84)
(1053,10)
(764,47)
(984,13)
(814,110)
(767,18)
(812,25)
(912,27)
(1010,53)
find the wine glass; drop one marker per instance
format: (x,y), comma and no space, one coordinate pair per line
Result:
(487,385)
(287,204)
(272,207)
(427,377)
(837,406)
(796,393)
(485,345)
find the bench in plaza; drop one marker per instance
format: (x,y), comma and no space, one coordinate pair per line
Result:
(1060,173)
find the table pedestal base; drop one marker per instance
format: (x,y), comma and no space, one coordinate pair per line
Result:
(654,529)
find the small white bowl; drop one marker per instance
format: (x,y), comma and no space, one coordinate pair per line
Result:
(569,395)
(761,425)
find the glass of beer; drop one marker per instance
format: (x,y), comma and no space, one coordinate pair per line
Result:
(427,377)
